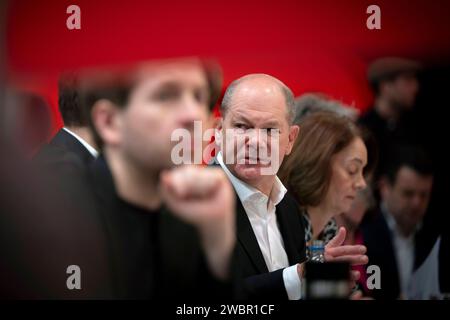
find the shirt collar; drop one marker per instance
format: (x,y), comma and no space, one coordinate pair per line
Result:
(246,192)
(392,224)
(83,142)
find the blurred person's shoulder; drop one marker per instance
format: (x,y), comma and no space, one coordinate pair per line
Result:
(370,118)
(62,143)
(64,173)
(57,161)
(290,202)
(373,223)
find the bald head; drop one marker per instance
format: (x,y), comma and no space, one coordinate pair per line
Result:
(256,87)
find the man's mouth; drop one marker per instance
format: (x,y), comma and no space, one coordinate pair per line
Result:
(251,161)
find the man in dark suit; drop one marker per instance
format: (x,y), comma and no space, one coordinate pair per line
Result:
(170,231)
(397,240)
(257,116)
(76,136)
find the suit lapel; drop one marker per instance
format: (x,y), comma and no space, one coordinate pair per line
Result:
(382,239)
(284,224)
(247,239)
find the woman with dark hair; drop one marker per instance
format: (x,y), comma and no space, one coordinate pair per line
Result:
(325,171)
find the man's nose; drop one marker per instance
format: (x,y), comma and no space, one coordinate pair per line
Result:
(256,138)
(191,110)
(251,137)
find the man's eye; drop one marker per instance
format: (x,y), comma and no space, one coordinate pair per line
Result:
(201,96)
(270,131)
(166,95)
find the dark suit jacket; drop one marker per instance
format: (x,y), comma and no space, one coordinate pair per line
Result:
(380,250)
(62,144)
(257,281)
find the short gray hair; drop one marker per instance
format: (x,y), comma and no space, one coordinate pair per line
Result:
(287,93)
(310,103)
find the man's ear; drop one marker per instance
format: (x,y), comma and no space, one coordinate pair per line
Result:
(214,121)
(293,134)
(107,120)
(210,122)
(218,134)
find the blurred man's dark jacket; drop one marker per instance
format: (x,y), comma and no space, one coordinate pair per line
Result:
(61,144)
(73,216)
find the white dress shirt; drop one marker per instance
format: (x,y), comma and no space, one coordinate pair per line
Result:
(83,142)
(403,250)
(425,279)
(260,210)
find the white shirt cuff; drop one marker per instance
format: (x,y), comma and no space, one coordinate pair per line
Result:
(292,283)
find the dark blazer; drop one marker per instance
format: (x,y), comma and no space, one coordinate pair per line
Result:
(380,250)
(258,282)
(59,146)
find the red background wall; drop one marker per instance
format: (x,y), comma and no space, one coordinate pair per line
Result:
(310,45)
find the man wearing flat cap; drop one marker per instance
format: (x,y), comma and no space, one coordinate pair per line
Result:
(395,84)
